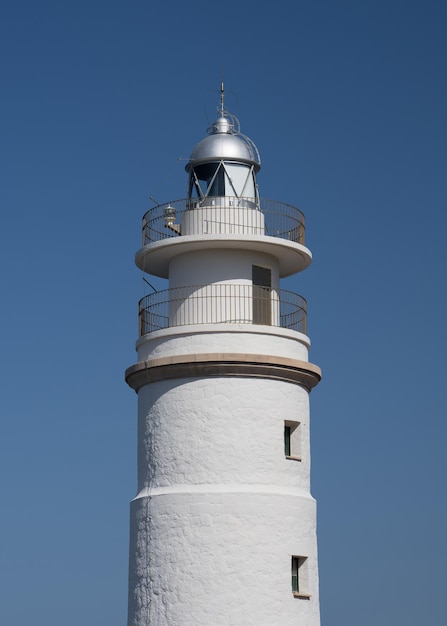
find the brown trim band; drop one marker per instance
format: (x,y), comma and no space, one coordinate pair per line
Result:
(226,364)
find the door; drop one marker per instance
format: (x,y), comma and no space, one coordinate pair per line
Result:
(262,289)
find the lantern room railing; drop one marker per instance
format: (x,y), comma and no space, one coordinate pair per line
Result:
(223,215)
(222,304)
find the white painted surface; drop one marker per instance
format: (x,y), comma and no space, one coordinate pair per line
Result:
(223,215)
(221,560)
(206,267)
(221,506)
(238,338)
(221,430)
(154,258)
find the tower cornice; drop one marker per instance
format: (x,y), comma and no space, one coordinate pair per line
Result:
(285,369)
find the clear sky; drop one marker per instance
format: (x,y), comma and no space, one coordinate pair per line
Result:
(101,101)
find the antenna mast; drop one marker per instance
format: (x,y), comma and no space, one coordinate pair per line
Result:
(222,97)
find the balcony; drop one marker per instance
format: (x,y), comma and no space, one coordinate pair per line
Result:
(222,304)
(223,215)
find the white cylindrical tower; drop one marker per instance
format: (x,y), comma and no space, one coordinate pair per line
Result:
(223,526)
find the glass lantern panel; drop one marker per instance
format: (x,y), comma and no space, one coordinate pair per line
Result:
(210,178)
(240,181)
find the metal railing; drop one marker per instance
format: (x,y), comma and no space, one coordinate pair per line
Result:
(223,215)
(222,304)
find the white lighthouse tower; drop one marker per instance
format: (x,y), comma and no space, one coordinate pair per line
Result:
(223,526)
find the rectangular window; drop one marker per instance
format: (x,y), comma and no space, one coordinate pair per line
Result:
(292,440)
(300,577)
(287,440)
(262,289)
(295,569)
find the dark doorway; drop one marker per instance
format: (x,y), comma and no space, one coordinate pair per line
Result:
(262,289)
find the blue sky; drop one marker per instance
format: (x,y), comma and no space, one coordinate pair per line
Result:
(101,103)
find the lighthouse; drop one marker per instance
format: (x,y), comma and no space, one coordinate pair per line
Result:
(223,525)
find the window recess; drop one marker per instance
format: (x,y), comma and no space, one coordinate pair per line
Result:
(292,441)
(300,577)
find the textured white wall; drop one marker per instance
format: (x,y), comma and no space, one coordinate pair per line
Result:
(221,506)
(221,559)
(219,431)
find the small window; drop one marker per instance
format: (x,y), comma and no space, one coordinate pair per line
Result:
(292,442)
(300,577)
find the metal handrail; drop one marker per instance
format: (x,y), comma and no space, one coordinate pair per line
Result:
(229,214)
(225,303)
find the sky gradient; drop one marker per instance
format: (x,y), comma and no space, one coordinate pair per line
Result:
(102,103)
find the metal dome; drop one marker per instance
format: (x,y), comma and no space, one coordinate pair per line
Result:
(225,143)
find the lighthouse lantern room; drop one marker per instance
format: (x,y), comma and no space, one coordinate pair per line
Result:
(223,526)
